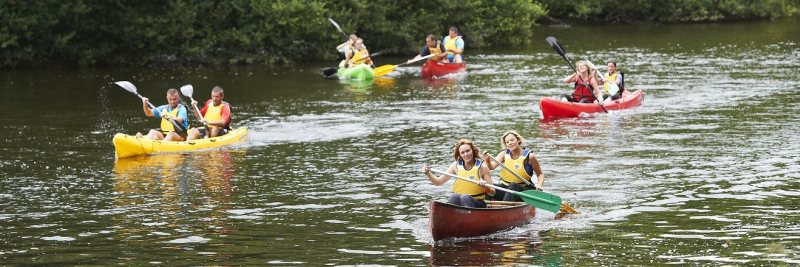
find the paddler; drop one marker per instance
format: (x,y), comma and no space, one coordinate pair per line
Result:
(454,46)
(432,46)
(173,111)
(468,165)
(359,56)
(519,160)
(216,113)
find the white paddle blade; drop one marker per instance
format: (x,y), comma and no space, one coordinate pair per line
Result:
(612,88)
(591,65)
(187,90)
(127,86)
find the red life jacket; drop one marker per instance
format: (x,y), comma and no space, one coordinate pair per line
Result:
(582,91)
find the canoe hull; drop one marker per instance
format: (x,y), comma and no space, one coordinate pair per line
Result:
(447,220)
(361,72)
(433,68)
(555,108)
(129,146)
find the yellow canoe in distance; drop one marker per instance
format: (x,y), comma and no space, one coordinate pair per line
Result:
(128,145)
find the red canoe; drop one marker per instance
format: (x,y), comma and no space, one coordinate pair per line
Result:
(433,68)
(448,220)
(556,108)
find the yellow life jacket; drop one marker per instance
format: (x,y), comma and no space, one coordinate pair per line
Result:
(436,50)
(517,165)
(467,188)
(451,44)
(167,126)
(610,79)
(214,113)
(357,55)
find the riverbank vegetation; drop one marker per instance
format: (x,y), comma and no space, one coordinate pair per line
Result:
(146,32)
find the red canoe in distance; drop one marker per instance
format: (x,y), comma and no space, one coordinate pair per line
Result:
(556,108)
(448,220)
(433,68)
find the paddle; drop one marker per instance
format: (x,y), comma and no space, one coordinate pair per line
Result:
(187,90)
(560,50)
(331,71)
(128,86)
(386,69)
(563,205)
(534,198)
(612,85)
(338,28)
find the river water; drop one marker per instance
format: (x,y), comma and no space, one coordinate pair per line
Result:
(704,172)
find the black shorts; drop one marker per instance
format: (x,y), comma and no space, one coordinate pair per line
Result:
(203,132)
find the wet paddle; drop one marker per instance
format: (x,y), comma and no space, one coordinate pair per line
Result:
(338,28)
(536,198)
(128,86)
(612,85)
(187,90)
(331,71)
(563,205)
(386,69)
(560,50)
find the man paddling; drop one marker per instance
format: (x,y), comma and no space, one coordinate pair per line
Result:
(173,111)
(432,46)
(216,113)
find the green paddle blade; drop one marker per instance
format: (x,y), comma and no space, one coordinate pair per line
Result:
(542,200)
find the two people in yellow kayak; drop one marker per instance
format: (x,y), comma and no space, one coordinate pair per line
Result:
(216,114)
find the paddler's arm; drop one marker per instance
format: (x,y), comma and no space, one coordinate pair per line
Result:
(147,111)
(486,177)
(442,178)
(537,169)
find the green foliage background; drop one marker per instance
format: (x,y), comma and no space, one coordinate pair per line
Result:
(669,10)
(146,32)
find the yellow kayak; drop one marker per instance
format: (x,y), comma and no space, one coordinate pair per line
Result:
(128,145)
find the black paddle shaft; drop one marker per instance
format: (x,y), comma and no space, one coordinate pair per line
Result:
(560,50)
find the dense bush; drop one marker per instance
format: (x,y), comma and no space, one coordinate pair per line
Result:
(669,10)
(143,32)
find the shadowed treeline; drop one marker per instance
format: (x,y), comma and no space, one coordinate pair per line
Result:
(147,32)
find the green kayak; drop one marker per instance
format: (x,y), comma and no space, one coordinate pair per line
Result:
(361,72)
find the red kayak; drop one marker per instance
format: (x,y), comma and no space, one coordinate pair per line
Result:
(433,68)
(448,220)
(556,108)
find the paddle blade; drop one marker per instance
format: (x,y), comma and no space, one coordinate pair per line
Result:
(127,86)
(556,46)
(187,90)
(568,209)
(329,71)
(338,28)
(383,70)
(542,200)
(612,88)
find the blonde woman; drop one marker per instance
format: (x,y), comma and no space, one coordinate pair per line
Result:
(586,87)
(519,160)
(468,164)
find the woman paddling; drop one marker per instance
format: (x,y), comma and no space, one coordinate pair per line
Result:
(586,88)
(521,161)
(469,165)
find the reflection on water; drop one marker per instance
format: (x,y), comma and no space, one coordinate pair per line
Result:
(524,249)
(178,199)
